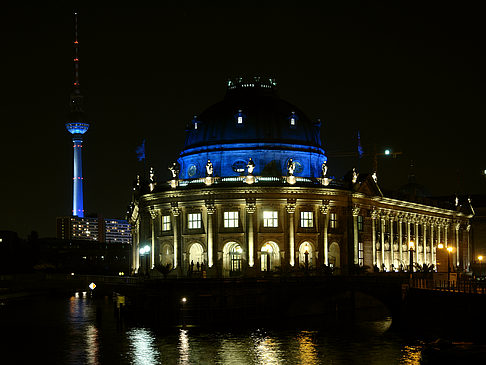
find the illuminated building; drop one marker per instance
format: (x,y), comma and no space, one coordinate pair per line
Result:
(250,194)
(94,229)
(77,125)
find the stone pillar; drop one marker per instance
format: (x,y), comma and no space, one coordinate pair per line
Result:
(392,249)
(468,263)
(424,234)
(175,229)
(153,214)
(250,210)
(457,226)
(355,236)
(432,255)
(210,209)
(291,210)
(325,210)
(382,241)
(417,241)
(446,241)
(408,242)
(400,239)
(374,215)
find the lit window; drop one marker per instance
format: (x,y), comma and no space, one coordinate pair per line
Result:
(240,119)
(292,121)
(333,220)
(306,219)
(194,220)
(360,223)
(360,254)
(230,219)
(165,223)
(270,218)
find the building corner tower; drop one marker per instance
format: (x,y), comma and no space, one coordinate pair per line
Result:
(77,125)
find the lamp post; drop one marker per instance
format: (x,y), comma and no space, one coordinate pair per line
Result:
(183,301)
(449,250)
(480,258)
(145,251)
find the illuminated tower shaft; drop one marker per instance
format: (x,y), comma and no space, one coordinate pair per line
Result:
(77,126)
(78,176)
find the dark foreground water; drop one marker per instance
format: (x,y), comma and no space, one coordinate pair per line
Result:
(80,330)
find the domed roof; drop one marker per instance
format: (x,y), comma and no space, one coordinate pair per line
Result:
(252,112)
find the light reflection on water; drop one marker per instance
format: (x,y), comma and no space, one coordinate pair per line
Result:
(82,336)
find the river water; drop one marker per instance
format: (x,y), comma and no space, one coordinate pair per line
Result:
(83,330)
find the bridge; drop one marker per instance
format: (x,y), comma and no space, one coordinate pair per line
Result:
(275,300)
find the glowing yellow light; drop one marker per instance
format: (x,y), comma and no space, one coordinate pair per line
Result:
(449,249)
(184,300)
(92,286)
(480,258)
(440,245)
(410,244)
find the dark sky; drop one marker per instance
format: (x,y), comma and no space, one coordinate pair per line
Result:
(408,77)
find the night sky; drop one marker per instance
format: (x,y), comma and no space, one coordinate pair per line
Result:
(409,77)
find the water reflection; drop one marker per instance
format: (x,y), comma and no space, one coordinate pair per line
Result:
(142,346)
(307,348)
(77,335)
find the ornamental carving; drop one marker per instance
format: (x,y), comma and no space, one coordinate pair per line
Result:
(356,210)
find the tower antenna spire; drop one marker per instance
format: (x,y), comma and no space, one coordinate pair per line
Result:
(76,49)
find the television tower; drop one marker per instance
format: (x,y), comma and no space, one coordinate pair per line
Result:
(77,125)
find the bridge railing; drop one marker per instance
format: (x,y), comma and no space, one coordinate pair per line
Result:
(460,286)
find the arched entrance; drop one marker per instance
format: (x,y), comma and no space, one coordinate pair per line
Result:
(166,255)
(196,255)
(232,259)
(270,256)
(306,254)
(334,255)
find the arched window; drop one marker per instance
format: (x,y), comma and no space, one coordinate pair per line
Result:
(334,255)
(306,254)
(196,254)
(270,256)
(166,255)
(232,259)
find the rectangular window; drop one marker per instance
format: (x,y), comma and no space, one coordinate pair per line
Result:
(332,220)
(230,219)
(194,220)
(270,218)
(307,219)
(360,254)
(360,223)
(166,223)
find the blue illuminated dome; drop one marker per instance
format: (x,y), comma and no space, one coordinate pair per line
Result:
(252,121)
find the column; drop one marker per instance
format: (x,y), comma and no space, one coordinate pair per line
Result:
(457,226)
(400,239)
(424,234)
(468,263)
(355,234)
(210,209)
(374,215)
(250,210)
(408,243)
(392,250)
(417,240)
(446,242)
(175,228)
(153,213)
(291,210)
(382,241)
(325,210)
(432,255)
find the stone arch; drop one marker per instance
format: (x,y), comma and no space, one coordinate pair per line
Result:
(335,255)
(166,255)
(306,247)
(232,259)
(269,256)
(196,254)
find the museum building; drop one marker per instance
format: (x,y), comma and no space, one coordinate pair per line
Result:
(250,194)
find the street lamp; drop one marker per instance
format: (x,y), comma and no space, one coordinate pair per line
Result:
(480,258)
(449,250)
(145,251)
